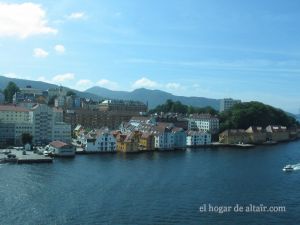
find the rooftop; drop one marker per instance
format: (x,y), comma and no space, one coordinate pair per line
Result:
(13,108)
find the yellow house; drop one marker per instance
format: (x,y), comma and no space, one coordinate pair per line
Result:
(128,142)
(146,142)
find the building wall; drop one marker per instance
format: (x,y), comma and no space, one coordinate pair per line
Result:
(42,124)
(179,139)
(235,138)
(15,117)
(204,124)
(227,103)
(7,134)
(103,143)
(198,139)
(61,132)
(164,141)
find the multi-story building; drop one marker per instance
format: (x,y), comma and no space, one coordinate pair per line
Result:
(128,142)
(15,121)
(164,137)
(60,101)
(198,138)
(121,106)
(48,125)
(62,132)
(42,124)
(59,91)
(179,138)
(95,118)
(29,94)
(146,141)
(7,134)
(204,122)
(100,140)
(227,103)
(14,114)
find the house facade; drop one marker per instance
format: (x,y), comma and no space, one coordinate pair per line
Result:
(198,138)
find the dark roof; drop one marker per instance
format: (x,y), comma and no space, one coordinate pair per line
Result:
(13,108)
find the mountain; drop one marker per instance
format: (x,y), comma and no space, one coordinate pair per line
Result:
(153,97)
(42,85)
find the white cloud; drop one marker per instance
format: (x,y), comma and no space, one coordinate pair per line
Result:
(146,83)
(76,16)
(108,84)
(10,75)
(60,49)
(63,77)
(23,20)
(174,86)
(40,53)
(14,75)
(84,84)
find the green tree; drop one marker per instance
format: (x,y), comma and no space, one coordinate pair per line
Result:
(26,138)
(71,93)
(51,100)
(243,115)
(10,90)
(178,107)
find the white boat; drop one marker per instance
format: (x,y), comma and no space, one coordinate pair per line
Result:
(46,153)
(288,168)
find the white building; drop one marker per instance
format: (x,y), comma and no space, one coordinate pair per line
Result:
(58,115)
(62,132)
(204,122)
(227,103)
(163,136)
(100,141)
(48,125)
(14,114)
(60,101)
(62,149)
(198,138)
(15,121)
(42,124)
(60,91)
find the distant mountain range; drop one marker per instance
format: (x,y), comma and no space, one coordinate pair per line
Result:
(41,85)
(153,97)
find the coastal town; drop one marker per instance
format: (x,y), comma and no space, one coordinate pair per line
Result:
(57,122)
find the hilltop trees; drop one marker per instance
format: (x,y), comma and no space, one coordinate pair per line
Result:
(9,91)
(247,114)
(178,107)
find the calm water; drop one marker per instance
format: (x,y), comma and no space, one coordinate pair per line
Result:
(153,188)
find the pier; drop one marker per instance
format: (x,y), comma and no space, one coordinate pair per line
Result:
(17,156)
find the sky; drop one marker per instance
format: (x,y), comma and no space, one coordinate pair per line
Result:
(246,50)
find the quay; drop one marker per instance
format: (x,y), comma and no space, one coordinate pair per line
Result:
(17,156)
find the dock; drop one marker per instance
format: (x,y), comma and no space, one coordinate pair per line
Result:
(20,158)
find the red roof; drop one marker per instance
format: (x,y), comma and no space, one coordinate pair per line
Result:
(58,144)
(13,108)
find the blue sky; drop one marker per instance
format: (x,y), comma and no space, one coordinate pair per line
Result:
(244,50)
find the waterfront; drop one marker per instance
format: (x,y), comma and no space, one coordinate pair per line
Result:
(153,187)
